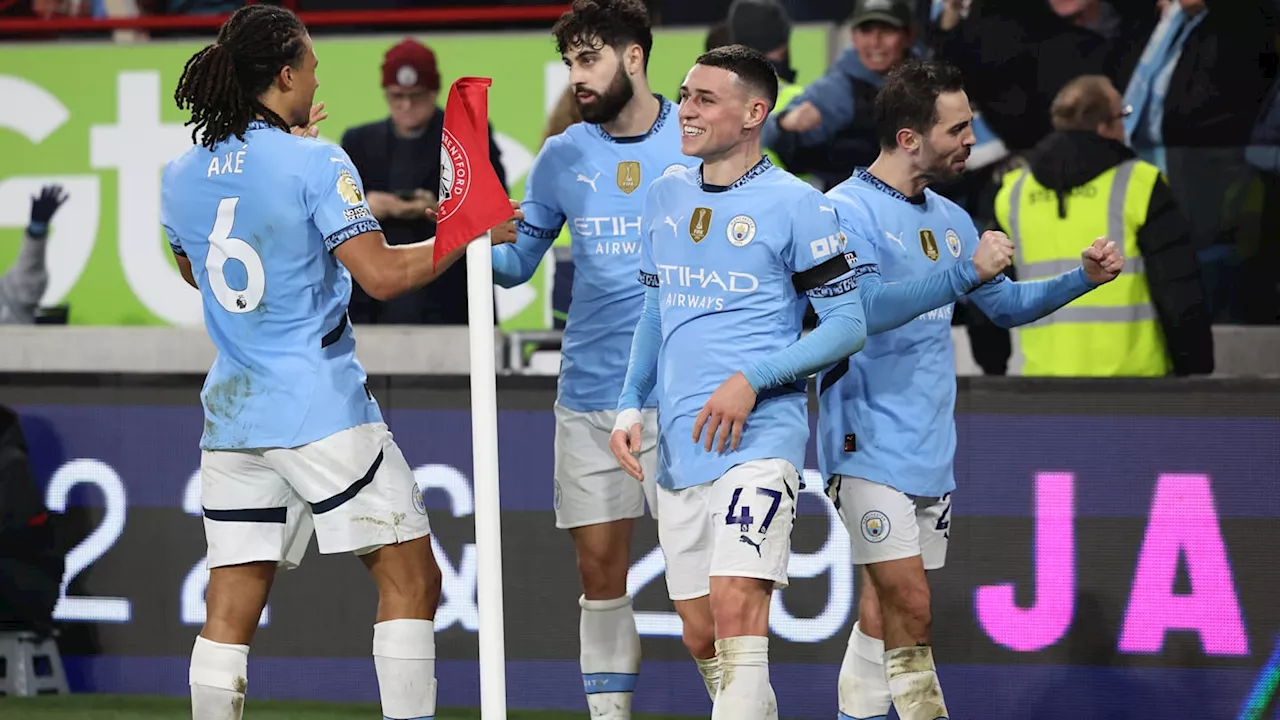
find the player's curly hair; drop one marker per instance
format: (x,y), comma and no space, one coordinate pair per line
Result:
(222,83)
(598,23)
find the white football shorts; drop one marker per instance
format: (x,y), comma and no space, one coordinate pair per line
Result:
(590,487)
(887,524)
(736,526)
(353,488)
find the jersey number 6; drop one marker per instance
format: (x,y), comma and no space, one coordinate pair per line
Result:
(223,247)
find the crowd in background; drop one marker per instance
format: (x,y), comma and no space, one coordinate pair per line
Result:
(1186,86)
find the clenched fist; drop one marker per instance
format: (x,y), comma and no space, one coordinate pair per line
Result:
(993,255)
(1102,261)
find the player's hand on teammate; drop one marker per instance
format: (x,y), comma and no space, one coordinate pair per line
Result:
(801,118)
(625,442)
(311,130)
(725,414)
(1102,261)
(993,254)
(506,232)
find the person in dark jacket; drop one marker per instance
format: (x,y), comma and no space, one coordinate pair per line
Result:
(399,161)
(1088,141)
(828,131)
(1017,54)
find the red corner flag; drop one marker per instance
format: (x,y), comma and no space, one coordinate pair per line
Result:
(471,199)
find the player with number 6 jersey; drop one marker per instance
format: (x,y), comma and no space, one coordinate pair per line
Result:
(270,225)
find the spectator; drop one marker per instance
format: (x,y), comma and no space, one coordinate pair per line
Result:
(399,161)
(718,35)
(829,129)
(763,25)
(1081,183)
(1016,59)
(24,284)
(1196,95)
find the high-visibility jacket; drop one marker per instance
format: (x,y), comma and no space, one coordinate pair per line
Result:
(786,93)
(1112,331)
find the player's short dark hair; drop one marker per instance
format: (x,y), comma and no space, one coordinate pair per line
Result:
(613,23)
(222,83)
(909,98)
(751,67)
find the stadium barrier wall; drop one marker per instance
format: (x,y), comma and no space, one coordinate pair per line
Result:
(1113,556)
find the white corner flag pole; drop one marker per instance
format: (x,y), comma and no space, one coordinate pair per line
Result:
(484,451)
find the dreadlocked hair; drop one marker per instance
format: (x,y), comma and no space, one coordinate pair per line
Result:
(222,84)
(601,23)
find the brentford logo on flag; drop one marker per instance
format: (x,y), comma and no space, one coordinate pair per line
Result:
(455,174)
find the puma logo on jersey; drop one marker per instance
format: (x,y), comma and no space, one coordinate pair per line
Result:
(827,208)
(675,225)
(896,238)
(589,180)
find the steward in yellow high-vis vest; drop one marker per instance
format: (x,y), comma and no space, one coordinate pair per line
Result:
(1082,184)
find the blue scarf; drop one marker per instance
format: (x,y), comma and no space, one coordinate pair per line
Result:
(1149,86)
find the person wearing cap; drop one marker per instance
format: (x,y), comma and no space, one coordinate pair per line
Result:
(764,25)
(399,160)
(829,128)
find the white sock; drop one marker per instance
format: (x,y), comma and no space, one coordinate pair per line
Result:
(744,692)
(913,680)
(404,656)
(610,656)
(710,670)
(864,689)
(218,677)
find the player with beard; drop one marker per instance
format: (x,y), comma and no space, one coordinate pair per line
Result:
(886,428)
(593,177)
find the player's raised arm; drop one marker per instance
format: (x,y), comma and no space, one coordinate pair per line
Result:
(515,263)
(824,273)
(1010,304)
(335,198)
(891,305)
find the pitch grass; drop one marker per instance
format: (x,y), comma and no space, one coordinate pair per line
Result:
(144,707)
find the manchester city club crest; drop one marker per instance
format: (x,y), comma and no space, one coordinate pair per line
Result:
(741,230)
(700,223)
(875,526)
(628,176)
(419,502)
(455,175)
(929,244)
(953,243)
(674,168)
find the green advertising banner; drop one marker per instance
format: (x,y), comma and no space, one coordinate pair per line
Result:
(100,119)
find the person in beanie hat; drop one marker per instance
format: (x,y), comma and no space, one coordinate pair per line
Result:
(399,160)
(764,25)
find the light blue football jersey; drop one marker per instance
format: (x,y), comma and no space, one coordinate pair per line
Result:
(723,260)
(595,183)
(259,221)
(888,413)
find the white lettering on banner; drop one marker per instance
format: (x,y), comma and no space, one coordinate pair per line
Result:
(77,608)
(137,148)
(191,607)
(34,113)
(458,602)
(943,313)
